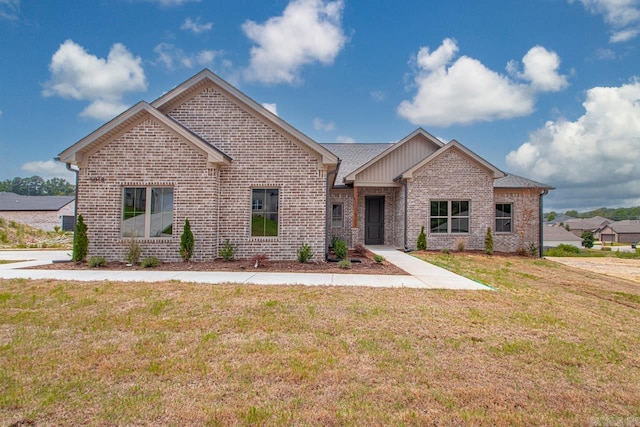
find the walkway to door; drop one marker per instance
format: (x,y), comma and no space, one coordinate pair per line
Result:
(431,275)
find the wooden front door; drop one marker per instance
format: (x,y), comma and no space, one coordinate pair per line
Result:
(374,220)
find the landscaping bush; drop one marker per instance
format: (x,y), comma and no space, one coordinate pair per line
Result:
(488,242)
(304,253)
(587,239)
(227,250)
(379,259)
(345,264)
(461,244)
(186,242)
(421,244)
(150,262)
(81,241)
(333,241)
(133,251)
(445,251)
(360,249)
(340,249)
(97,261)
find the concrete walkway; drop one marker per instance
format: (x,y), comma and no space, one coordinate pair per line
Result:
(423,275)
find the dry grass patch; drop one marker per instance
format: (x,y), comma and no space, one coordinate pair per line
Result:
(554,346)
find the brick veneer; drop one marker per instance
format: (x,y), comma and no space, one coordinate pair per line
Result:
(525,212)
(44,220)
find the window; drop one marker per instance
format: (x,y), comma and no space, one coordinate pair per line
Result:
(264,212)
(144,216)
(336,215)
(503,217)
(449,216)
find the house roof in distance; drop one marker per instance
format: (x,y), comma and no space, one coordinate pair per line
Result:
(16,202)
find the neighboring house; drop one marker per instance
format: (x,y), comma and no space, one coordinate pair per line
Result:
(579,225)
(560,219)
(207,152)
(43,212)
(626,231)
(555,236)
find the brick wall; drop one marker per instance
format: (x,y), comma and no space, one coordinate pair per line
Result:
(44,220)
(525,225)
(451,176)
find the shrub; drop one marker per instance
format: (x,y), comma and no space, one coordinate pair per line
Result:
(150,262)
(227,250)
(587,239)
(3,237)
(445,251)
(186,242)
(133,251)
(334,239)
(488,242)
(340,249)
(360,249)
(421,244)
(379,259)
(461,244)
(97,261)
(260,259)
(304,253)
(344,264)
(81,241)
(563,250)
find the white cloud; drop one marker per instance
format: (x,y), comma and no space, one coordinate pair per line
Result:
(196,26)
(76,74)
(465,91)
(0,113)
(345,140)
(308,31)
(377,95)
(168,3)
(47,169)
(622,15)
(271,107)
(173,57)
(319,124)
(597,156)
(9,10)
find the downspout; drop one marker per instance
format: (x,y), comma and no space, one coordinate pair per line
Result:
(540,225)
(327,222)
(75,202)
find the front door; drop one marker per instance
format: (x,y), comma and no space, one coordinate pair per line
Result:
(374,220)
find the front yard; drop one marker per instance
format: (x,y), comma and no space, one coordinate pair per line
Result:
(553,346)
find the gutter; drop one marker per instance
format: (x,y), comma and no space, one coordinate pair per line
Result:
(75,202)
(327,222)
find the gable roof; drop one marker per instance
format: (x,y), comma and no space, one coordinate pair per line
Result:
(124,121)
(352,156)
(351,176)
(587,223)
(453,144)
(559,234)
(207,78)
(510,180)
(625,226)
(16,202)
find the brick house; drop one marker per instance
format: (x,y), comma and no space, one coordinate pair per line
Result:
(43,212)
(207,152)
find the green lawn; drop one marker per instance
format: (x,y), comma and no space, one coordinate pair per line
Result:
(552,346)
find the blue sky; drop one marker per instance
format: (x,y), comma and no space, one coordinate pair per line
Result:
(547,89)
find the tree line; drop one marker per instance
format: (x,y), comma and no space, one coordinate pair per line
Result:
(614,214)
(36,186)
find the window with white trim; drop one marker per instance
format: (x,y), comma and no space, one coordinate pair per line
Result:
(337,218)
(144,216)
(264,212)
(504,215)
(449,216)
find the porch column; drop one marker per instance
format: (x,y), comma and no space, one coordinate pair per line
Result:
(355,207)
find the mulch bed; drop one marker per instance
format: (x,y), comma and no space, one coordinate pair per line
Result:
(366,266)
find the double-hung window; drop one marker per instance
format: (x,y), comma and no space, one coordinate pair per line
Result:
(147,212)
(449,216)
(264,212)
(504,215)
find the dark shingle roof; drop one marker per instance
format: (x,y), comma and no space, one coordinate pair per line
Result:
(353,156)
(16,202)
(626,226)
(559,233)
(515,181)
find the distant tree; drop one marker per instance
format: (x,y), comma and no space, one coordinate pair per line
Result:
(552,215)
(587,239)
(573,213)
(36,186)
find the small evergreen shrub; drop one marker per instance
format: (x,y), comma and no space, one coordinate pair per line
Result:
(186,242)
(133,251)
(333,241)
(97,261)
(488,242)
(344,264)
(81,241)
(421,244)
(379,259)
(150,262)
(340,249)
(227,250)
(304,253)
